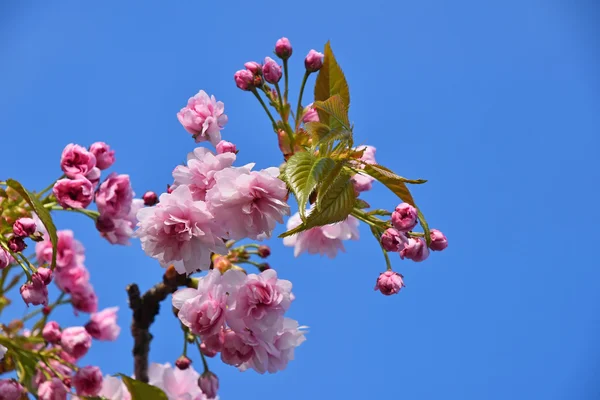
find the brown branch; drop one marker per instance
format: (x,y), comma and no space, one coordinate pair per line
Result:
(145,308)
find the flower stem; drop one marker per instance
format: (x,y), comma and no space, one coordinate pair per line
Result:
(285,73)
(39,195)
(206,369)
(185,342)
(90,213)
(262,103)
(299,108)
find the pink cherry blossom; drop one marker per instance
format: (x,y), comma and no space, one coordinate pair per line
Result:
(114,196)
(24,227)
(271,70)
(52,389)
(84,299)
(35,294)
(438,240)
(244,79)
(88,381)
(73,193)
(10,389)
(415,249)
(362,182)
(209,384)
(5,259)
(283,48)
(389,282)
(404,217)
(180,231)
(122,229)
(51,332)
(310,114)
(69,250)
(226,147)
(235,351)
(368,155)
(313,61)
(248,203)
(71,278)
(43,276)
(199,173)
(211,345)
(76,161)
(253,67)
(393,241)
(76,341)
(103,325)
(176,383)
(324,240)
(203,117)
(105,157)
(114,389)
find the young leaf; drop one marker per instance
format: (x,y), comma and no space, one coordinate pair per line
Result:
(335,206)
(335,108)
(327,183)
(317,130)
(142,391)
(361,204)
(41,212)
(331,80)
(393,182)
(392,175)
(425,226)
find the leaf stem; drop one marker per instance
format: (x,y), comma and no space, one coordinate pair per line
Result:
(90,213)
(204,363)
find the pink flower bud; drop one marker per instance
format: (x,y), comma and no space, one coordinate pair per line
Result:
(76,341)
(244,79)
(34,294)
(74,193)
(389,282)
(88,381)
(283,48)
(16,244)
(150,198)
(51,332)
(404,218)
(114,196)
(313,61)
(264,251)
(103,325)
(438,240)
(392,240)
(105,223)
(271,70)
(183,363)
(24,227)
(43,276)
(310,114)
(253,67)
(226,147)
(10,389)
(105,157)
(46,310)
(264,267)
(209,384)
(76,161)
(52,389)
(5,258)
(211,345)
(415,249)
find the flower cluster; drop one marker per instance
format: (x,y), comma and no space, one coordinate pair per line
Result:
(243,318)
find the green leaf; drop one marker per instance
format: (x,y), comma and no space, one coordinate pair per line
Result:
(335,206)
(317,130)
(361,204)
(142,391)
(335,108)
(425,226)
(393,182)
(343,136)
(303,173)
(331,80)
(327,182)
(41,212)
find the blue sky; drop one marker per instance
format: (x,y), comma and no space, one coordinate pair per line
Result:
(496,103)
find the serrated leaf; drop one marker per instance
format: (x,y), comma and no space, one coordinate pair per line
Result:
(335,206)
(391,174)
(425,227)
(343,136)
(317,130)
(361,204)
(41,212)
(333,112)
(393,182)
(327,182)
(142,391)
(331,80)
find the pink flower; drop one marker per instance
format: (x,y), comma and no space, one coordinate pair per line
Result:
(114,196)
(260,303)
(313,61)
(235,351)
(275,357)
(415,249)
(105,157)
(176,383)
(199,173)
(76,341)
(253,67)
(209,384)
(52,389)
(226,147)
(43,276)
(16,244)
(244,79)
(271,70)
(203,117)
(114,389)
(392,240)
(71,278)
(248,203)
(362,182)
(88,381)
(84,299)
(10,389)
(76,161)
(94,176)
(310,114)
(438,240)
(389,282)
(324,240)
(103,325)
(51,332)
(183,362)
(69,250)
(211,345)
(35,294)
(404,217)
(73,193)
(150,198)
(203,309)
(121,229)
(180,231)
(5,259)
(368,155)
(283,48)
(24,227)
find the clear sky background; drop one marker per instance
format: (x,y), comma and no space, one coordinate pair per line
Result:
(497,103)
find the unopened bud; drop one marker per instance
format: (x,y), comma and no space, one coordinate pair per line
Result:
(264,266)
(150,198)
(244,79)
(209,384)
(183,363)
(24,227)
(283,48)
(264,251)
(16,244)
(105,224)
(313,61)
